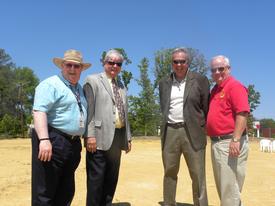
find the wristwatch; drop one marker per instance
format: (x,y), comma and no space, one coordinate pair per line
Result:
(234,139)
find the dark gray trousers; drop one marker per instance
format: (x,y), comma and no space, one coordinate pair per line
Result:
(53,182)
(102,168)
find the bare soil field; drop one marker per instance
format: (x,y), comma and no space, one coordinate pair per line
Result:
(140,181)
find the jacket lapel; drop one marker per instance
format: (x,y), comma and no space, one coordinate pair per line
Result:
(168,82)
(189,83)
(107,85)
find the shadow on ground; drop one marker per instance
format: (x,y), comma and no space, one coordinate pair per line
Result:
(180,204)
(121,204)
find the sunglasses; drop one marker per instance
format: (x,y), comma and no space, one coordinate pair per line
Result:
(119,64)
(220,69)
(179,61)
(70,65)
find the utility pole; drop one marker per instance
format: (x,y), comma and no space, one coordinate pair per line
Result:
(21,107)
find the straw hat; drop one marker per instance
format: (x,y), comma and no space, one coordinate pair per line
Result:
(72,56)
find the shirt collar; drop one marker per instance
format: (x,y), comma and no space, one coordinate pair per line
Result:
(110,78)
(224,82)
(179,82)
(66,82)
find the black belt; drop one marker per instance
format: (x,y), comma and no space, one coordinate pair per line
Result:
(67,136)
(119,128)
(176,125)
(222,137)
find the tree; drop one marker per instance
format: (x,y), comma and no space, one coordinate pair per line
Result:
(253,97)
(163,63)
(143,110)
(17,87)
(254,101)
(26,81)
(7,85)
(9,125)
(126,76)
(5,59)
(267,123)
(8,90)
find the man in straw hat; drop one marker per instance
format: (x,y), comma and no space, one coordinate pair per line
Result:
(59,112)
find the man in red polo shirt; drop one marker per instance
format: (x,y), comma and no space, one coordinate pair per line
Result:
(226,126)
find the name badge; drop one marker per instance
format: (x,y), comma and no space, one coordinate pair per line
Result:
(81,120)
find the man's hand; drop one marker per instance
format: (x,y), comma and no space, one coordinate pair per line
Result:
(234,149)
(91,144)
(45,150)
(129,147)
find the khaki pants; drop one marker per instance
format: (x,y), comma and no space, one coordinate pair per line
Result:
(229,172)
(177,143)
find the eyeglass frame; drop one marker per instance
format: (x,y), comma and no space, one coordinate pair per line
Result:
(180,61)
(220,69)
(119,64)
(72,65)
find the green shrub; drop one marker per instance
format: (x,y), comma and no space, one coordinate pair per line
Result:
(9,125)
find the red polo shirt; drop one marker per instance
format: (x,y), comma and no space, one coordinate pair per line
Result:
(226,100)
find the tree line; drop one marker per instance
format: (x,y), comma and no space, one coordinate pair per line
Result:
(17,87)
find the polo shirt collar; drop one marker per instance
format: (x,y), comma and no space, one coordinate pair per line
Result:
(225,82)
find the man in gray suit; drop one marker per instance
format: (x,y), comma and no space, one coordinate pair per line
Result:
(184,97)
(108,130)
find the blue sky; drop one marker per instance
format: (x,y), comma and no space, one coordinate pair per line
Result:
(35,31)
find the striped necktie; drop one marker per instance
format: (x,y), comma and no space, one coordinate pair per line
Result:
(118,100)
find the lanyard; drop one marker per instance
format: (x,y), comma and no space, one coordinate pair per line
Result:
(76,94)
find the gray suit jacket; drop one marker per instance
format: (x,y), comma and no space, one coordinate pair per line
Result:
(195,106)
(102,111)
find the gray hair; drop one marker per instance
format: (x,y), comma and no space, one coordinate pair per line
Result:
(226,59)
(182,50)
(113,52)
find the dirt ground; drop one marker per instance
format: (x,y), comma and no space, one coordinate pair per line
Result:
(140,181)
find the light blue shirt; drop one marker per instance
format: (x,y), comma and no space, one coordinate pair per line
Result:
(55,97)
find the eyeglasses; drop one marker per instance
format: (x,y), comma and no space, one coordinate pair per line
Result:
(70,65)
(220,69)
(179,61)
(119,64)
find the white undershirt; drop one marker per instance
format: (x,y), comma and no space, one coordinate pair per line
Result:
(176,101)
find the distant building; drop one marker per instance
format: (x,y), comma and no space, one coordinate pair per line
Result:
(267,132)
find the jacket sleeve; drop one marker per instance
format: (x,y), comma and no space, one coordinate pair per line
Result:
(90,97)
(205,95)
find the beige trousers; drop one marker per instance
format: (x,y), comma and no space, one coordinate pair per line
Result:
(176,144)
(229,172)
